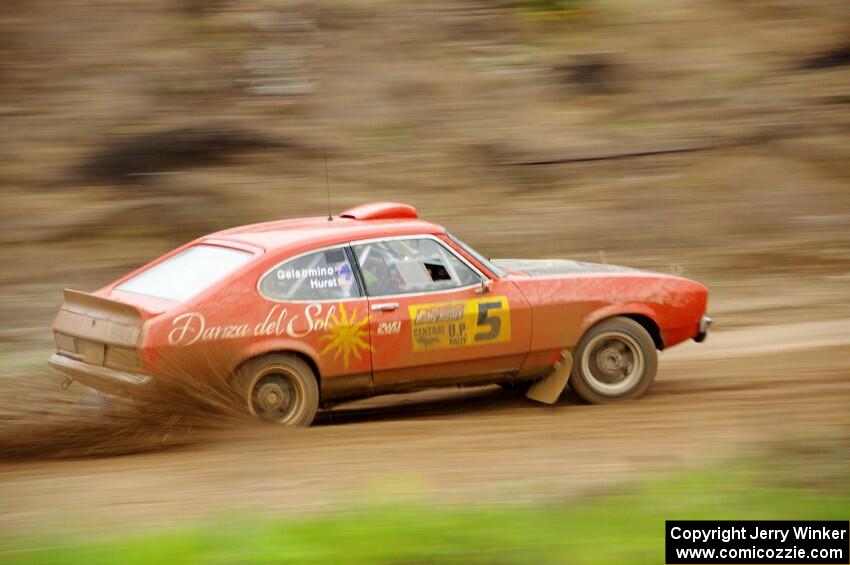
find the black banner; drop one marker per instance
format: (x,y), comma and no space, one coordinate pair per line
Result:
(756,541)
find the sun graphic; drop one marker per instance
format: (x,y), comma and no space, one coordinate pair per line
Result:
(347,336)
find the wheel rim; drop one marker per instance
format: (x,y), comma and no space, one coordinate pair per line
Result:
(276,395)
(613,363)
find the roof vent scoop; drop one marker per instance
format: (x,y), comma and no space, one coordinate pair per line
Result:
(381,211)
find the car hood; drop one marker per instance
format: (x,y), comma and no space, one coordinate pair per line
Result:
(546,267)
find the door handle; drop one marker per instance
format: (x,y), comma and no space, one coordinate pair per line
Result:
(385,307)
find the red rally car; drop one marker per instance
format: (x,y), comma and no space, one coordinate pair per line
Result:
(297,314)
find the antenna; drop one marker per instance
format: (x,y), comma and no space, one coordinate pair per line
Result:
(327,184)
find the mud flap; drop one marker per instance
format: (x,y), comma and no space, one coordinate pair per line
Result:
(549,389)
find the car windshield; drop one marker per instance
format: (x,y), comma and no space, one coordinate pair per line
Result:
(479,257)
(186,274)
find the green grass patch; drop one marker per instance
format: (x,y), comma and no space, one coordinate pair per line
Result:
(552,5)
(622,527)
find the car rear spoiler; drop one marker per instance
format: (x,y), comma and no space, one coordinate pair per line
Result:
(98,319)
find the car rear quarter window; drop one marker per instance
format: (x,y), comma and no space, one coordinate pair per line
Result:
(184,275)
(321,275)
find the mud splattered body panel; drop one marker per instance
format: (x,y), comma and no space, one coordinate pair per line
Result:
(548,267)
(564,307)
(495,326)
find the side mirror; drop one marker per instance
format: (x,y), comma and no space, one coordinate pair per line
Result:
(485,286)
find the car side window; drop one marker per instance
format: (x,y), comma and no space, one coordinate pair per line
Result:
(404,266)
(323,275)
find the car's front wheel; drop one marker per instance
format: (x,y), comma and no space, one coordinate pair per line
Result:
(615,360)
(279,388)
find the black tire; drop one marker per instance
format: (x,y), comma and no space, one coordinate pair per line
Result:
(615,360)
(280,388)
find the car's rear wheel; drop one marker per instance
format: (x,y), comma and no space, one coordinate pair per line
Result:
(615,360)
(279,388)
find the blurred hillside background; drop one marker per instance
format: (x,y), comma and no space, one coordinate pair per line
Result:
(130,127)
(710,137)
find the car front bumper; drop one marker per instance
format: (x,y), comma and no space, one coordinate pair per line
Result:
(98,377)
(704,325)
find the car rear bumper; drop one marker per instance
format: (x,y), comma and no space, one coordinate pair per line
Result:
(704,325)
(98,377)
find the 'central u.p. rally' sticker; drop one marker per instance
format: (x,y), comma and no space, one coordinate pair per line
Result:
(460,323)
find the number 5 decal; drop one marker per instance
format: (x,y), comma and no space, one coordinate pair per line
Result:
(459,323)
(492,324)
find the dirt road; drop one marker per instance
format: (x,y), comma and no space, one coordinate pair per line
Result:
(430,115)
(748,383)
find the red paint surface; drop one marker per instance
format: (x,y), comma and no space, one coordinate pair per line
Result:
(231,322)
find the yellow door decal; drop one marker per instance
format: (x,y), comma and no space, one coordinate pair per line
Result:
(460,323)
(347,336)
